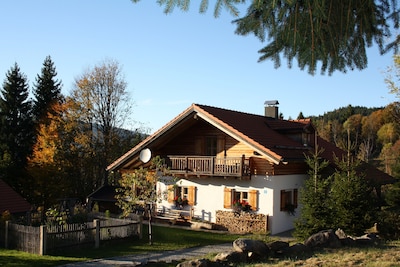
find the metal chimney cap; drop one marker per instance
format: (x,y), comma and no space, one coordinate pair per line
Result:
(271,102)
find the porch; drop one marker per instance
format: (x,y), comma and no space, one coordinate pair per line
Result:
(210,166)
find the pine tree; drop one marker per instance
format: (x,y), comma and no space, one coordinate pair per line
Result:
(16,126)
(355,206)
(315,212)
(47,90)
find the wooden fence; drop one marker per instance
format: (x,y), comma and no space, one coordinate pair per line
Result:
(43,239)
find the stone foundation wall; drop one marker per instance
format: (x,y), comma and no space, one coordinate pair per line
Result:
(243,222)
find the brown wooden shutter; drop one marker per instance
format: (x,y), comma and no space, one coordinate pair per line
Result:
(171,193)
(228,193)
(283,199)
(191,195)
(253,194)
(295,198)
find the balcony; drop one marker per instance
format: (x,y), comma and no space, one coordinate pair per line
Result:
(210,166)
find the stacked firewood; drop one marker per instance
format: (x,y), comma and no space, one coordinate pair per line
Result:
(243,222)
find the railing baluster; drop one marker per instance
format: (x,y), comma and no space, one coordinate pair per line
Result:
(202,165)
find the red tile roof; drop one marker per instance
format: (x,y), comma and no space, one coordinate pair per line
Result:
(11,200)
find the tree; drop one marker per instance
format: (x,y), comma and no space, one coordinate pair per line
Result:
(100,105)
(315,214)
(47,90)
(355,207)
(138,189)
(50,167)
(393,82)
(333,34)
(16,126)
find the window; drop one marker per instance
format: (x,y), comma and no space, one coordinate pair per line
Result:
(187,193)
(288,200)
(211,146)
(231,196)
(240,197)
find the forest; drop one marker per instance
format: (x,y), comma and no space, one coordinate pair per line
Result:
(54,147)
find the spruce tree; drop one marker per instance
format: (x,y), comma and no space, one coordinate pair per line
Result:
(315,210)
(355,206)
(16,126)
(47,91)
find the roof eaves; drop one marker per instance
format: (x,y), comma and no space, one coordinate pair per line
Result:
(275,158)
(124,158)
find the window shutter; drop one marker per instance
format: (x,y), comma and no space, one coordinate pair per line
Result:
(228,197)
(253,194)
(171,193)
(191,195)
(295,198)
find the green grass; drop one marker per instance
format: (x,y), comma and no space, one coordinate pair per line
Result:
(164,238)
(168,238)
(11,258)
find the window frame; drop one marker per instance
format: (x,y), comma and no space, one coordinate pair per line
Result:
(288,197)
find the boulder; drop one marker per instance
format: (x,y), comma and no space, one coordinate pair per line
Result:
(251,247)
(297,248)
(340,234)
(195,263)
(368,239)
(231,257)
(325,238)
(277,246)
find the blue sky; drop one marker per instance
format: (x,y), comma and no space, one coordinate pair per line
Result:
(171,61)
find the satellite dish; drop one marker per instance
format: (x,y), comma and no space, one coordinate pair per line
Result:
(145,155)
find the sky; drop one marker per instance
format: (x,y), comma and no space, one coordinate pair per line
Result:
(171,61)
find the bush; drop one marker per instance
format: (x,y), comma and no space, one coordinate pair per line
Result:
(389,224)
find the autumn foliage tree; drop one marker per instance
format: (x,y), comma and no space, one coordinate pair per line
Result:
(99,107)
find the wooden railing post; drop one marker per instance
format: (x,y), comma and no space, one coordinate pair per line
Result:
(212,165)
(6,234)
(96,224)
(43,240)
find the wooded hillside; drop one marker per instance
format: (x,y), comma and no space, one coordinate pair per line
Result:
(371,134)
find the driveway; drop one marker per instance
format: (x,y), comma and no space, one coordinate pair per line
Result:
(166,256)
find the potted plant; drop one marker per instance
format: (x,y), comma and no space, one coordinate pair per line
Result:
(180,202)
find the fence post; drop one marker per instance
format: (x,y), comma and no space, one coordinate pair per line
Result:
(96,224)
(43,240)
(6,235)
(140,228)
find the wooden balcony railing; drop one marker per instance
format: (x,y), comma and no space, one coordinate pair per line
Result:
(213,166)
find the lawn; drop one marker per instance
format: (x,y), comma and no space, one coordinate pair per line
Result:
(168,238)
(164,238)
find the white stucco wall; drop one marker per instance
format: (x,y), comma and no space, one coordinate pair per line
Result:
(210,196)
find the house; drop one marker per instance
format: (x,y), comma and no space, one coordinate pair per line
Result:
(220,157)
(11,201)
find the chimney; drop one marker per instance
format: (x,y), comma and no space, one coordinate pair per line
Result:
(271,108)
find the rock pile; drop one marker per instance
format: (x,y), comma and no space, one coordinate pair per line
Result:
(248,250)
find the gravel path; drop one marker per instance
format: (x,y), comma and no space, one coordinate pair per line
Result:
(166,256)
